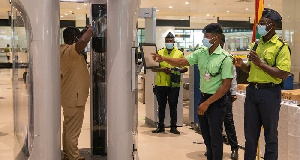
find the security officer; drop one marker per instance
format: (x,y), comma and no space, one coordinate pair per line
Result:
(167,85)
(216,73)
(268,65)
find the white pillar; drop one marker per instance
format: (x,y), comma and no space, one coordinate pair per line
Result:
(119,96)
(291,32)
(42,21)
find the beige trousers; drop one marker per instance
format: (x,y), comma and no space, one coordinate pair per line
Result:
(73,119)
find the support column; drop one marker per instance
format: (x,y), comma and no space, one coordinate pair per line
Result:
(119,96)
(291,32)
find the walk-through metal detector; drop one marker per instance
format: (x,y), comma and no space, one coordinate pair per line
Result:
(150,99)
(113,71)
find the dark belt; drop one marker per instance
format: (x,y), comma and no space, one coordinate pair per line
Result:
(206,95)
(263,85)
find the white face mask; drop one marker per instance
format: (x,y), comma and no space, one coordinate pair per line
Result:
(206,42)
(262,30)
(170,45)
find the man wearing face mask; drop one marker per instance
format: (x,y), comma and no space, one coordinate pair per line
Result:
(267,66)
(167,85)
(216,73)
(75,83)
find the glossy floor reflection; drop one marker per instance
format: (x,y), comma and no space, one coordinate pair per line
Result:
(163,146)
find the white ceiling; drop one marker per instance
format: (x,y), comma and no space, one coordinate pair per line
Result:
(200,11)
(207,10)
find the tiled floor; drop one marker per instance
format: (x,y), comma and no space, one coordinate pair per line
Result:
(164,146)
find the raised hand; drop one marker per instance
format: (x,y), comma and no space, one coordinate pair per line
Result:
(255,58)
(156,57)
(238,62)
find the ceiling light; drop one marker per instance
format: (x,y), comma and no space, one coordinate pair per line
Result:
(227,11)
(181,19)
(157,10)
(85,4)
(170,7)
(207,15)
(61,16)
(269,5)
(66,14)
(187,3)
(247,9)
(193,17)
(70,11)
(77,8)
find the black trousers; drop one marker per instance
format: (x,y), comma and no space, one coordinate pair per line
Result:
(262,108)
(229,124)
(164,95)
(211,124)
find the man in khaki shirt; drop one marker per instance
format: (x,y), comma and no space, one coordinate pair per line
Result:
(75,83)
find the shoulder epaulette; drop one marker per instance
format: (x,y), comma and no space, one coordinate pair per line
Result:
(160,49)
(281,39)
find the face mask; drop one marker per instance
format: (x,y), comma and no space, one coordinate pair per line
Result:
(261,29)
(169,45)
(206,42)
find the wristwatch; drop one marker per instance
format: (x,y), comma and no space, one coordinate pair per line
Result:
(233,96)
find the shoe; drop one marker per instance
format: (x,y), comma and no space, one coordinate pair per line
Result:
(174,130)
(205,154)
(234,154)
(80,158)
(158,130)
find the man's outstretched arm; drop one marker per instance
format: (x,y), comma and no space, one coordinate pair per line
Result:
(172,61)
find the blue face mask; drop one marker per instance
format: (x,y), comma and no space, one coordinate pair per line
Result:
(206,42)
(169,45)
(261,29)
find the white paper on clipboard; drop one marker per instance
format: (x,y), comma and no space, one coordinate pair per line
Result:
(147,50)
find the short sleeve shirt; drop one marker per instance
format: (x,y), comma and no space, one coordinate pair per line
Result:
(75,78)
(219,60)
(163,79)
(267,52)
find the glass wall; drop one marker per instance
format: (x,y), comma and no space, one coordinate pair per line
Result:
(240,39)
(188,38)
(141,35)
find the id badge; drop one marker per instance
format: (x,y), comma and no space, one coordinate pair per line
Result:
(207,76)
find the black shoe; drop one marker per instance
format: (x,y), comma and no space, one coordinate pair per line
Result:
(205,153)
(174,130)
(234,154)
(158,130)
